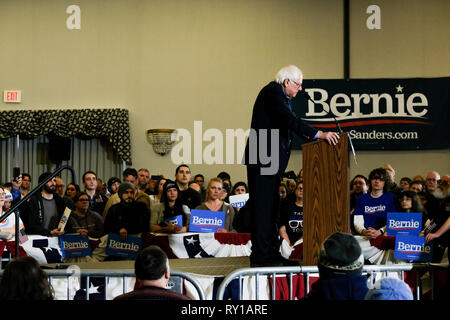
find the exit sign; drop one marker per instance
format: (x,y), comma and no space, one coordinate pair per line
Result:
(12,96)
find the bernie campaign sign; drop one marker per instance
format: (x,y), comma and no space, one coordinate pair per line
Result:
(176,221)
(74,245)
(126,249)
(238,200)
(413,249)
(404,223)
(206,221)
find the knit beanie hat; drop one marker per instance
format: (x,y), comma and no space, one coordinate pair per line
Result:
(389,289)
(123,187)
(340,253)
(169,185)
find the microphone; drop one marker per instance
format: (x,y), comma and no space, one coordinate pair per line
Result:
(309,98)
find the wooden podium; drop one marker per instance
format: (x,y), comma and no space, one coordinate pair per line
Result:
(326,194)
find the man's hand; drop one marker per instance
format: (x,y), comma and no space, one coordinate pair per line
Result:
(83,232)
(330,136)
(56,232)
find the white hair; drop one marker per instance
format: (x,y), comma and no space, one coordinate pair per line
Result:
(289,72)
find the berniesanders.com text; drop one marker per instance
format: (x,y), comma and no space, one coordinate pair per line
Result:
(381,135)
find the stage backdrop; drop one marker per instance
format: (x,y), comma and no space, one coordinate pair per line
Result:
(389,114)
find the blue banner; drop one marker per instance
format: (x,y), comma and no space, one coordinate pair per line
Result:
(74,245)
(205,221)
(126,249)
(404,223)
(413,249)
(176,221)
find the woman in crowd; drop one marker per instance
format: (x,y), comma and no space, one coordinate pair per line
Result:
(409,201)
(239,187)
(165,217)
(23,279)
(7,227)
(83,220)
(291,217)
(214,203)
(113,185)
(156,198)
(71,190)
(371,209)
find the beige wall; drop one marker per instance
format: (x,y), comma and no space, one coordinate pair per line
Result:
(173,62)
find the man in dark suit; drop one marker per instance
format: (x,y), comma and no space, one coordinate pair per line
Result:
(267,155)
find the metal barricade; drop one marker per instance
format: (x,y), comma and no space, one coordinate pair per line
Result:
(307,271)
(106,273)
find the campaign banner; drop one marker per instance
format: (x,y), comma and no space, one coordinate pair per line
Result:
(413,249)
(74,245)
(206,221)
(176,221)
(379,114)
(126,249)
(238,200)
(404,223)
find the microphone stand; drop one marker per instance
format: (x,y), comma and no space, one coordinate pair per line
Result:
(338,127)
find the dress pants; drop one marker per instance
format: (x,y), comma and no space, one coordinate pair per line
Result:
(264,198)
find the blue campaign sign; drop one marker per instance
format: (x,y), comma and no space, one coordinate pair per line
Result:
(74,245)
(177,220)
(206,221)
(412,248)
(404,223)
(126,249)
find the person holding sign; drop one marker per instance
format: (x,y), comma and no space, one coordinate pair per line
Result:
(409,201)
(213,203)
(370,215)
(170,215)
(128,216)
(83,220)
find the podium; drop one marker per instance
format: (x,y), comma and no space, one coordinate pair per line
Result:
(326,194)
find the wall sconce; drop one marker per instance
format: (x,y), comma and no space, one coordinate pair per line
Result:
(161,140)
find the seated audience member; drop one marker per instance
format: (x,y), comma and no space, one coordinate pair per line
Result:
(152,276)
(44,210)
(225,176)
(8,226)
(443,188)
(370,214)
(83,220)
(24,280)
(405,183)
(129,175)
(60,192)
(143,180)
(358,186)
(340,264)
(170,207)
(416,186)
(156,198)
(291,218)
(128,217)
(389,289)
(112,185)
(214,203)
(189,196)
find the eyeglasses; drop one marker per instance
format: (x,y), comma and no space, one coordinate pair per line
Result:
(299,85)
(295,223)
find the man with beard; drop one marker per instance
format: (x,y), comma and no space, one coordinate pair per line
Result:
(44,210)
(128,217)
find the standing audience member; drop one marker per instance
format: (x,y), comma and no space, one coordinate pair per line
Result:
(8,226)
(200,180)
(170,207)
(370,215)
(83,220)
(340,264)
(409,202)
(214,203)
(391,185)
(24,280)
(128,217)
(152,277)
(44,210)
(25,188)
(416,186)
(239,187)
(97,201)
(189,196)
(389,289)
(358,186)
(71,190)
(59,190)
(405,183)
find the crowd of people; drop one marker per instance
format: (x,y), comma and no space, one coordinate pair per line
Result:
(139,202)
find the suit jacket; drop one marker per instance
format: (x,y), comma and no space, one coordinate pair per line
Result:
(272,110)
